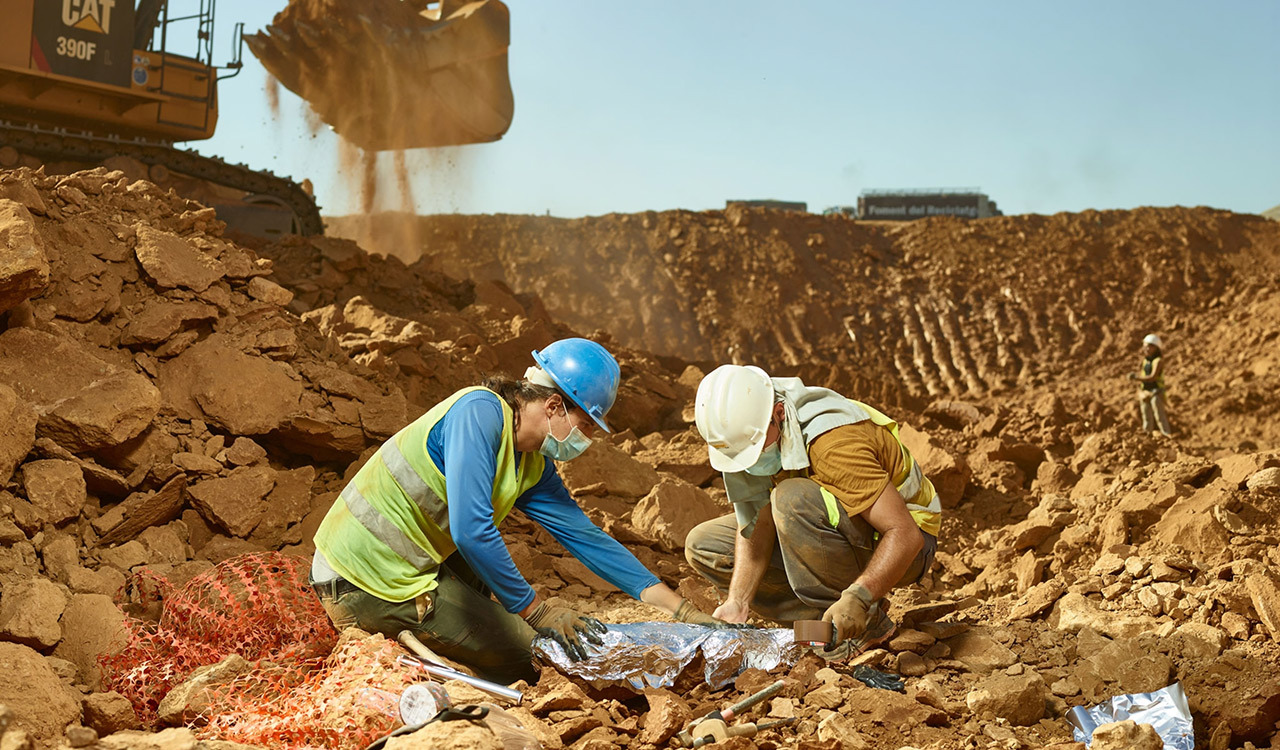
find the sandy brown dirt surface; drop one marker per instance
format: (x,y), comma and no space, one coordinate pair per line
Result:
(172,399)
(901,313)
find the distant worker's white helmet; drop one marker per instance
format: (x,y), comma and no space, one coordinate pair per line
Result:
(1154,340)
(732,411)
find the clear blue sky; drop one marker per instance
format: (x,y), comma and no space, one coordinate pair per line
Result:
(633,106)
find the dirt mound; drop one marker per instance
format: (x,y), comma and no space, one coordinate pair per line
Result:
(174,400)
(936,308)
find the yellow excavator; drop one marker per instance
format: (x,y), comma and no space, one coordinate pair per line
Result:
(119,82)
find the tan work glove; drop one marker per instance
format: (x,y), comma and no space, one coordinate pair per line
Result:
(566,627)
(686,612)
(850,613)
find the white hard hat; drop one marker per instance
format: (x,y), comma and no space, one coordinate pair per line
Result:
(732,411)
(1153,339)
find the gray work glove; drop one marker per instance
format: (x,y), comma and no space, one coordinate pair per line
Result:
(851,612)
(566,627)
(686,612)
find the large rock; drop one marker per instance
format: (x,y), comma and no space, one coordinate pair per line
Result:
(1237,468)
(841,730)
(75,391)
(448,735)
(171,261)
(234,503)
(153,446)
(1247,712)
(671,510)
(24,269)
(240,393)
(288,503)
(92,627)
(1264,592)
(109,412)
(17,431)
(1267,479)
(108,713)
(175,738)
(685,456)
(1037,599)
(605,469)
(1122,666)
(41,703)
(1190,524)
(29,613)
(980,652)
(949,473)
(1074,611)
(1017,698)
(162,318)
(1126,735)
(56,488)
(186,703)
(668,714)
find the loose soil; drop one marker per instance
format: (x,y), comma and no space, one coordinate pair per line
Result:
(173,399)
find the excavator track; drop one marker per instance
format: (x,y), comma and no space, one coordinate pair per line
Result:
(52,144)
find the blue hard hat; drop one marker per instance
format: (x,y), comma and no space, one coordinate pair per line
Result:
(585,372)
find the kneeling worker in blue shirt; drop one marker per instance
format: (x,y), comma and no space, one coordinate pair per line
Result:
(413,542)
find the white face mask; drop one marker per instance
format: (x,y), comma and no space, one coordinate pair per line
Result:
(567,449)
(769,463)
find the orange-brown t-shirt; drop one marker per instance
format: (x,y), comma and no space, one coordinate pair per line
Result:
(855,463)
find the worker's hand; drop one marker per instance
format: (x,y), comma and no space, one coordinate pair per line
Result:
(566,627)
(1133,375)
(686,612)
(850,613)
(732,612)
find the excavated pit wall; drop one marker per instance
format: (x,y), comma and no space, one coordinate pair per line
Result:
(939,307)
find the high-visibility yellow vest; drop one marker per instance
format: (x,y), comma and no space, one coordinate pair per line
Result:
(915,488)
(1149,366)
(388,531)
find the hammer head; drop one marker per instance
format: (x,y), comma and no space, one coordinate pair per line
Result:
(715,729)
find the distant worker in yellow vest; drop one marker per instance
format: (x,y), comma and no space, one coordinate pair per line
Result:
(831,512)
(413,542)
(1151,388)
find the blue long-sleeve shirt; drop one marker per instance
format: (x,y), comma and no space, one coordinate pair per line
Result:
(464,444)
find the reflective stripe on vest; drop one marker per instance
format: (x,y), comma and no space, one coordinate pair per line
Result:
(389,529)
(910,486)
(413,485)
(384,530)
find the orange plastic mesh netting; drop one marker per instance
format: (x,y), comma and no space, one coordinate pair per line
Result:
(301,691)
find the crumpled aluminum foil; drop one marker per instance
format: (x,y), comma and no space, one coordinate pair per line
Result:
(653,654)
(1166,710)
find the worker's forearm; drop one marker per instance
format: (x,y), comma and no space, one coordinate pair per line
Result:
(751,558)
(894,554)
(661,596)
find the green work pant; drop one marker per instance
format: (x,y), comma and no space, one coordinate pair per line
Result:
(812,562)
(458,620)
(1155,411)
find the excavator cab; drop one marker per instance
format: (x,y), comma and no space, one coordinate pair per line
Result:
(108,67)
(396,74)
(116,83)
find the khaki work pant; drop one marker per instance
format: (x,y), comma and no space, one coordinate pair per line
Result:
(458,620)
(812,563)
(1154,410)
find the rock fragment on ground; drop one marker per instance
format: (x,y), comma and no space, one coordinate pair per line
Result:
(1126,735)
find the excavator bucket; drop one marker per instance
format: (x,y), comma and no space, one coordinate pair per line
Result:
(396,74)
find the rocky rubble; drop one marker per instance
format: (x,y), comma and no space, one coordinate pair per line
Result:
(170,399)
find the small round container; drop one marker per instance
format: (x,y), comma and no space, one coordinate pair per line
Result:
(814,633)
(421,701)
